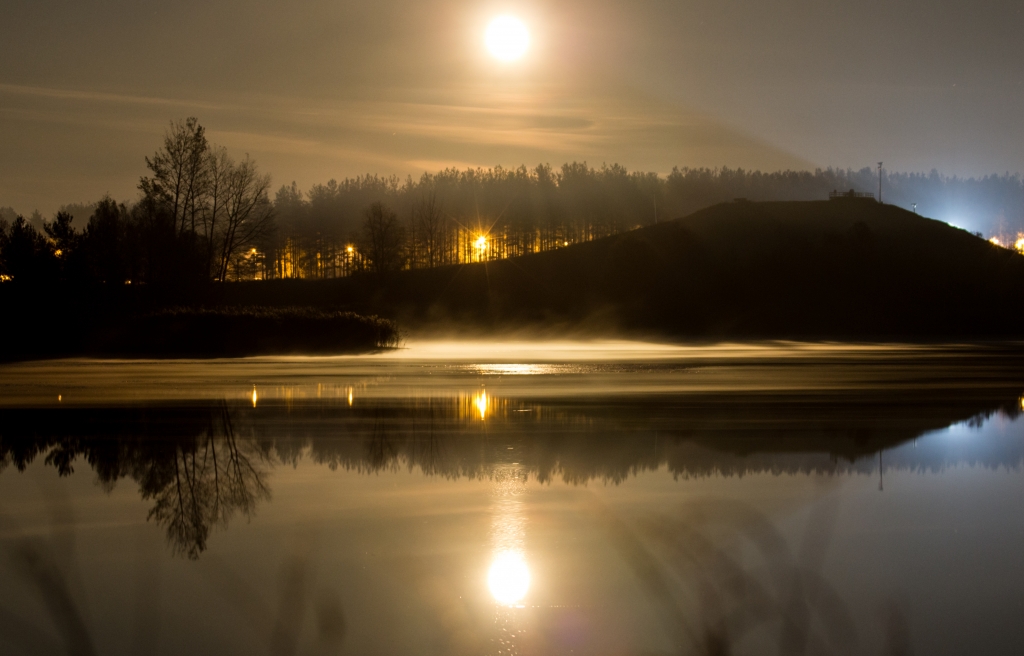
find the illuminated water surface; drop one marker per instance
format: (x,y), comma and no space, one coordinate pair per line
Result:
(517,498)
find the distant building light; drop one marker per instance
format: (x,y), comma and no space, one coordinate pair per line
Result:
(5,278)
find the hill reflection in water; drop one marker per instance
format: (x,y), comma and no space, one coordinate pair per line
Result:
(202,463)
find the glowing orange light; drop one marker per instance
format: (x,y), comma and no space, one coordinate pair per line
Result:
(58,252)
(996,241)
(480,401)
(350,397)
(480,243)
(254,397)
(350,250)
(565,243)
(1019,244)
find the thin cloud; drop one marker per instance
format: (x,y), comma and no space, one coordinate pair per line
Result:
(99,96)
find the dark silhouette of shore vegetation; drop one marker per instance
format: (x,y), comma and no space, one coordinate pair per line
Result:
(202,332)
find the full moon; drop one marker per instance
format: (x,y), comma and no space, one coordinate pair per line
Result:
(507,38)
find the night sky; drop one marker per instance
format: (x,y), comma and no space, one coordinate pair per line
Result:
(318,89)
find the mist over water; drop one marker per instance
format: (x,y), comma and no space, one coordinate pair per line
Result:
(517,497)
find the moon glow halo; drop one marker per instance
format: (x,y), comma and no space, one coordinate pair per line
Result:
(507,38)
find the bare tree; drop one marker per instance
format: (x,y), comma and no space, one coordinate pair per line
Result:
(429,225)
(247,213)
(385,239)
(180,172)
(219,167)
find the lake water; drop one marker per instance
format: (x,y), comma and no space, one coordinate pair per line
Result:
(517,498)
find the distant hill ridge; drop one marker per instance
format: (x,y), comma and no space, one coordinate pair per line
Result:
(800,270)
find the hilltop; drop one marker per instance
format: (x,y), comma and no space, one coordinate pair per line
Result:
(744,270)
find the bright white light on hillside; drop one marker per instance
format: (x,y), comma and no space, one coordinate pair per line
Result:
(507,38)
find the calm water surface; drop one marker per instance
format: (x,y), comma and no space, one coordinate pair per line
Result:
(517,498)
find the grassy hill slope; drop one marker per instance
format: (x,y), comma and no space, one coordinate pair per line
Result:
(830,269)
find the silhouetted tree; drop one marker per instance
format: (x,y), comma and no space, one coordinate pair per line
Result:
(4,227)
(65,243)
(165,256)
(429,229)
(25,253)
(384,239)
(219,171)
(109,245)
(247,213)
(61,232)
(215,205)
(180,173)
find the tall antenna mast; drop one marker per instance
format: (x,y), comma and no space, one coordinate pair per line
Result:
(879,182)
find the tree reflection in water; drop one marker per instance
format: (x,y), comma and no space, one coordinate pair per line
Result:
(191,462)
(208,481)
(201,465)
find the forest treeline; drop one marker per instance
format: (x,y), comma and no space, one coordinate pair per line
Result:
(202,216)
(483,214)
(197,210)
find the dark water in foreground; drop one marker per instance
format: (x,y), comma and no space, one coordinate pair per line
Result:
(517,499)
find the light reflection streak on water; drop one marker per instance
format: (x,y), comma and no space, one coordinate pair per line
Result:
(508,577)
(304,392)
(480,401)
(523,369)
(472,406)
